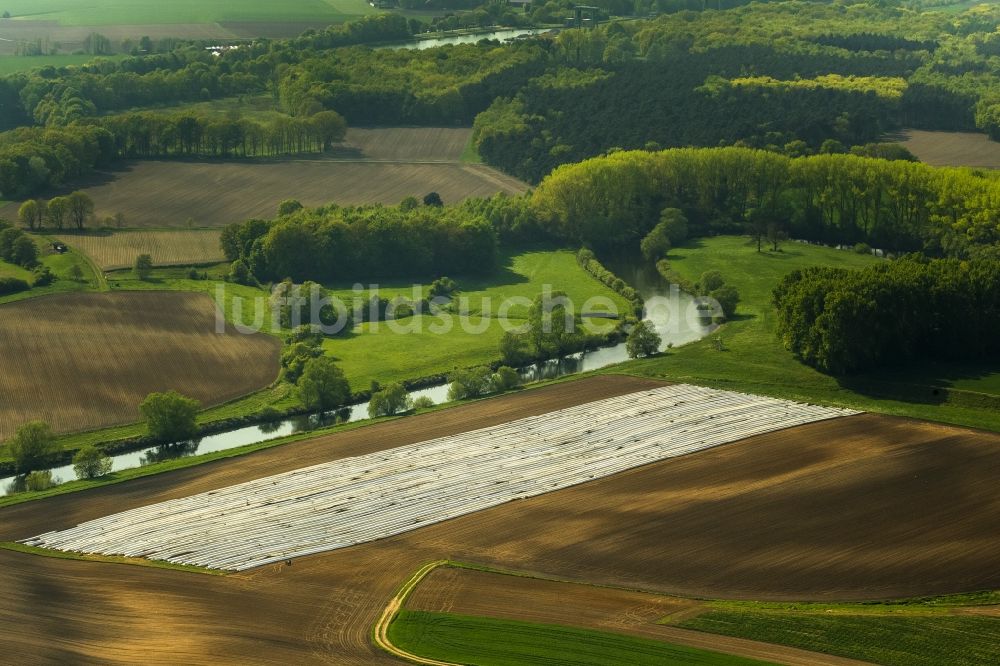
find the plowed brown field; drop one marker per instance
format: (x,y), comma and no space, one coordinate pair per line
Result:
(855,508)
(86,361)
(969,149)
(383,165)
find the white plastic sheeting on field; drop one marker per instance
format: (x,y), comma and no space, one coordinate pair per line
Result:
(355,500)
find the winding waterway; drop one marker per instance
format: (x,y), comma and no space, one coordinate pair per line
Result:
(673,313)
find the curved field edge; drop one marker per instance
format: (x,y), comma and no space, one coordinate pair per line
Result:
(490,642)
(402,633)
(961,629)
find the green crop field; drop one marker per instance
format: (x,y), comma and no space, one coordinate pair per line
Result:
(489,642)
(752,358)
(135,12)
(892,635)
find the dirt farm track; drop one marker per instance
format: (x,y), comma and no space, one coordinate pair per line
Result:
(860,507)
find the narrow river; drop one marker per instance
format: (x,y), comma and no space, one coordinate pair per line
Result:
(672,311)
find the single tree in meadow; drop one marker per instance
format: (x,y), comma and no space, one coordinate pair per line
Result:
(643,340)
(322,385)
(143,266)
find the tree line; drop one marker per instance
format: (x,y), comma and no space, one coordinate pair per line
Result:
(331,243)
(842,321)
(900,206)
(787,76)
(765,76)
(151,134)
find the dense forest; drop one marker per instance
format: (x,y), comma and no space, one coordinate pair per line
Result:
(767,76)
(910,310)
(901,206)
(791,77)
(336,244)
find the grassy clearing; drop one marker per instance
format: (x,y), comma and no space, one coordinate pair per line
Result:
(470,155)
(60,265)
(150,12)
(489,642)
(918,637)
(119,249)
(108,559)
(410,348)
(753,360)
(377,353)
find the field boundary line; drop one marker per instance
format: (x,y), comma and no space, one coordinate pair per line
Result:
(380,632)
(16,547)
(739,647)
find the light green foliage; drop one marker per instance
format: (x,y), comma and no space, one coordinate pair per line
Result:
(470,383)
(391,400)
(33,446)
(423,402)
(889,87)
(727,296)
(612,201)
(322,385)
(170,417)
(375,351)
(655,244)
(505,379)
(514,348)
(643,340)
(39,480)
(289,206)
(490,642)
(91,462)
(710,281)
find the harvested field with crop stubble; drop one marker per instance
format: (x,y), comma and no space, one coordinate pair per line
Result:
(969,149)
(406,144)
(858,507)
(167,248)
(168,194)
(86,361)
(383,165)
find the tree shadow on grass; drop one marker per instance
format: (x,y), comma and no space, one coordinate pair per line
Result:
(931,384)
